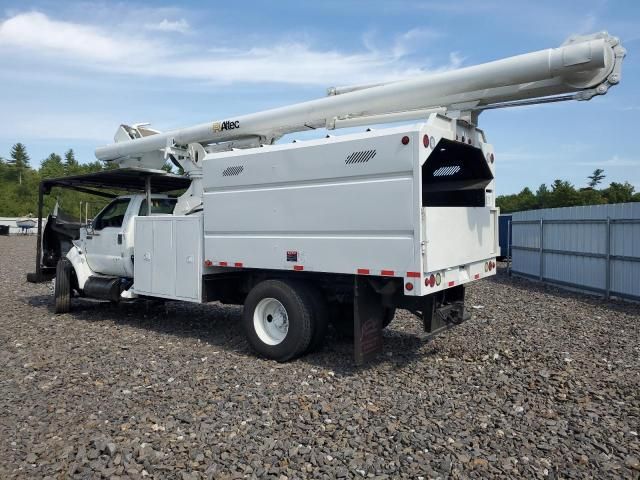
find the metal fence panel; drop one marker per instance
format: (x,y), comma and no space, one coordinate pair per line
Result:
(595,248)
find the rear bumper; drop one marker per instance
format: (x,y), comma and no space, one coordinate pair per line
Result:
(432,282)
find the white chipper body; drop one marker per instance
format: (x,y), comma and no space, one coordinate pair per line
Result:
(341,229)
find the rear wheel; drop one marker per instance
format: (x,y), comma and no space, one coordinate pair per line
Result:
(62,287)
(278,319)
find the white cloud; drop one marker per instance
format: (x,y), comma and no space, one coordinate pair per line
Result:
(89,48)
(34,31)
(179,26)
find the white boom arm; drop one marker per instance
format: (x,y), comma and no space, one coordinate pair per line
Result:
(578,70)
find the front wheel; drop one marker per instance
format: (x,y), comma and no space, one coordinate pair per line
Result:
(62,286)
(278,319)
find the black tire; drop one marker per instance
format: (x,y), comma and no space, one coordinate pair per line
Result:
(389,314)
(342,318)
(296,301)
(320,318)
(62,288)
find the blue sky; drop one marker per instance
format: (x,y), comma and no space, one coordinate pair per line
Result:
(73,71)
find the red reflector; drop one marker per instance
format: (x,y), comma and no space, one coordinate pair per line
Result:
(223,264)
(477,276)
(405,140)
(387,273)
(238,264)
(425,141)
(451,284)
(298,268)
(432,280)
(409,286)
(363,271)
(208,263)
(413,274)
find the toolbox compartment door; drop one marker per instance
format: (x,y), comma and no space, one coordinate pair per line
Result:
(168,257)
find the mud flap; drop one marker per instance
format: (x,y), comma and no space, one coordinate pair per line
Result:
(438,315)
(367,326)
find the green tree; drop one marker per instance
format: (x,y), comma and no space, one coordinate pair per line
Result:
(596,177)
(19,160)
(563,194)
(71,166)
(589,196)
(52,166)
(92,167)
(543,196)
(619,192)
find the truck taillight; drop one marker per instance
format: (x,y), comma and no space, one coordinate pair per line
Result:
(430,281)
(405,140)
(408,286)
(425,141)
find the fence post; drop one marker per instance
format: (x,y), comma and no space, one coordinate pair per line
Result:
(607,286)
(541,249)
(509,242)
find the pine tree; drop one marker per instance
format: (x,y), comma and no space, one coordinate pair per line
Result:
(596,177)
(19,159)
(71,165)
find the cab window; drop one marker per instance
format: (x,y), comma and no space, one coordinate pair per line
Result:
(112,215)
(159,206)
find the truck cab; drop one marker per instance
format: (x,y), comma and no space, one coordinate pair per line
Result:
(107,242)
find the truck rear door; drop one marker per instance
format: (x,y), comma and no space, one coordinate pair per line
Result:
(459,236)
(459,219)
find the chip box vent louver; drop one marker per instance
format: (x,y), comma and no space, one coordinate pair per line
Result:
(446,171)
(360,157)
(231,171)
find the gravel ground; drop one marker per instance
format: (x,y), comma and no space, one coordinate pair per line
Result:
(540,383)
